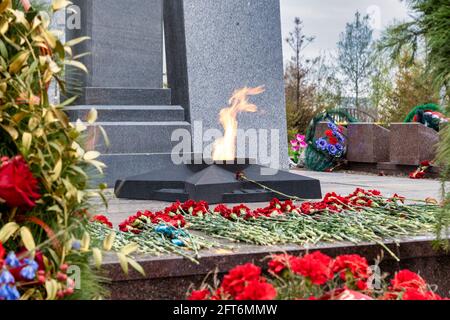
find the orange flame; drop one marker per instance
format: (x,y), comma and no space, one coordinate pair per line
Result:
(225,148)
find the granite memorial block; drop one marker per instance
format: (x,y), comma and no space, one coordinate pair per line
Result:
(125,85)
(412,143)
(126,51)
(215,47)
(367,143)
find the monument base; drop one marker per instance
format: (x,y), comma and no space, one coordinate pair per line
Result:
(217,182)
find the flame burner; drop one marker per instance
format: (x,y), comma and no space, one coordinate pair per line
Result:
(216,182)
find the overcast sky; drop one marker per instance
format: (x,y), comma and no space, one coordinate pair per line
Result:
(326,19)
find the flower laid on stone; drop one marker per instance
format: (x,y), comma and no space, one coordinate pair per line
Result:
(360,216)
(420,173)
(314,276)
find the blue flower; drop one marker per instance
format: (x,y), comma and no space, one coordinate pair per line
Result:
(6,277)
(165,230)
(12,261)
(28,272)
(31,263)
(332,150)
(340,137)
(178,242)
(3,291)
(322,144)
(9,293)
(333,127)
(76,245)
(339,147)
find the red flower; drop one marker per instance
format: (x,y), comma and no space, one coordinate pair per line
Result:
(257,290)
(425,163)
(315,266)
(188,206)
(199,295)
(18,187)
(241,210)
(329,133)
(279,263)
(103,220)
(355,264)
(237,279)
(413,294)
(288,206)
(2,254)
(406,279)
(174,208)
(333,140)
(275,203)
(225,212)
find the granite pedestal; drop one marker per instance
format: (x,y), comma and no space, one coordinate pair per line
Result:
(125,85)
(215,47)
(412,143)
(170,277)
(367,143)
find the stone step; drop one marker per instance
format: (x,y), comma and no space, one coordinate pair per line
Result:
(136,137)
(125,96)
(121,166)
(128,113)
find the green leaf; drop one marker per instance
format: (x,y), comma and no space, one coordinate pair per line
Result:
(123,262)
(76,64)
(27,238)
(109,241)
(76,41)
(136,266)
(7,231)
(97,254)
(129,248)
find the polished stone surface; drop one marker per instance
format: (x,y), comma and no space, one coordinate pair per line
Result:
(227,45)
(412,143)
(367,143)
(126,42)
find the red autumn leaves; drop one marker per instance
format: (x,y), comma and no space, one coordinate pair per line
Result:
(18,187)
(314,276)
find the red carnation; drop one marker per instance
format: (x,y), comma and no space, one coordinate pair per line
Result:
(2,254)
(355,264)
(257,290)
(406,279)
(188,206)
(413,294)
(425,163)
(103,220)
(276,204)
(237,279)
(18,187)
(241,210)
(225,212)
(315,266)
(199,295)
(279,263)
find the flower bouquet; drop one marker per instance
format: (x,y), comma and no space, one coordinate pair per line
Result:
(298,145)
(315,276)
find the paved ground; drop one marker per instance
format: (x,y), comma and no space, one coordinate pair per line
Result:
(341,183)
